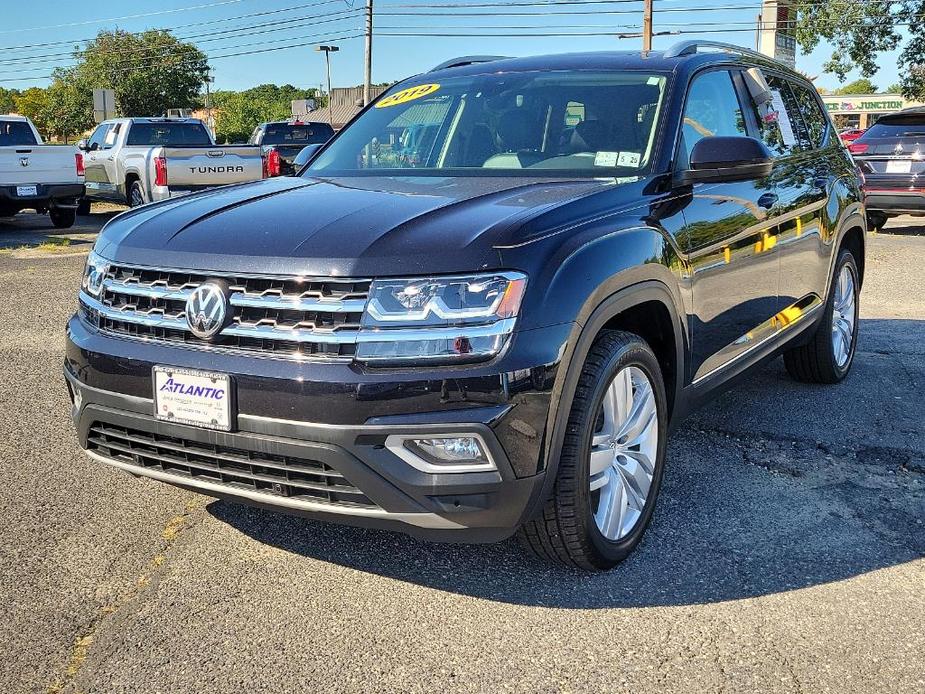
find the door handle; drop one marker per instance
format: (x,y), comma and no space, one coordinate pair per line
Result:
(767,201)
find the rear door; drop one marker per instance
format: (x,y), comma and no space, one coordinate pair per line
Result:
(729,233)
(804,175)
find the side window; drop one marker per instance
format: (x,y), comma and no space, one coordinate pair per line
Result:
(780,125)
(712,109)
(99,135)
(815,119)
(110,139)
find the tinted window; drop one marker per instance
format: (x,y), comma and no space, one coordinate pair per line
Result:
(308,134)
(153,134)
(712,109)
(557,122)
(813,115)
(906,126)
(16,133)
(780,124)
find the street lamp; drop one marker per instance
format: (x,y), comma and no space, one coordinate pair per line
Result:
(327,50)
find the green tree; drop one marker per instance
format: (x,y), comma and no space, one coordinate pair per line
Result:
(68,110)
(150,71)
(859,86)
(895,88)
(32,103)
(238,113)
(7,100)
(860,31)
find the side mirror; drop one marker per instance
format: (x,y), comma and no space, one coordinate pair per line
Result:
(304,155)
(82,146)
(720,158)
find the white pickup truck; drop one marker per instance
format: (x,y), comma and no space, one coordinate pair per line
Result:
(34,176)
(139,160)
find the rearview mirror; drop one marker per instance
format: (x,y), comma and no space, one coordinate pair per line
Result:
(82,145)
(721,158)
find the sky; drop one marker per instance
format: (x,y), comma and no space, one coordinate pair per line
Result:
(227,27)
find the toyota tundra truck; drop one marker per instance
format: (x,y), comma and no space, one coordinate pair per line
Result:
(34,176)
(492,326)
(139,160)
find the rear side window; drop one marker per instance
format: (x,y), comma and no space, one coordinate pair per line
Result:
(813,116)
(16,133)
(712,109)
(171,134)
(780,123)
(308,134)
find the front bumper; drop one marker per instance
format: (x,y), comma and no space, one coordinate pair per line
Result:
(341,442)
(65,195)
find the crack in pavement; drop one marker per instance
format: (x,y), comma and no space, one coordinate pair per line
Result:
(154,569)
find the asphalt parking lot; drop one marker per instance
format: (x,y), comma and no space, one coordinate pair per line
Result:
(786,553)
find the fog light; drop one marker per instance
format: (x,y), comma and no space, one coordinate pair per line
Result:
(446,453)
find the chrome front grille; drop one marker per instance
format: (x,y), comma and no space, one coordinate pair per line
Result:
(266,473)
(297,317)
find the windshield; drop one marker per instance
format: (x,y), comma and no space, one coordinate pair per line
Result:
(308,134)
(153,134)
(574,123)
(16,132)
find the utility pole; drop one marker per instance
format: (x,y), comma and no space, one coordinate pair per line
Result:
(327,50)
(367,83)
(647,25)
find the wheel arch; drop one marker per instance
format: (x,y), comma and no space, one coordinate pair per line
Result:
(648,308)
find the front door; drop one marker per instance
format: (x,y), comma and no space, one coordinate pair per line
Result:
(730,235)
(95,175)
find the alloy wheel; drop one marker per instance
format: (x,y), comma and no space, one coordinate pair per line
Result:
(843,316)
(624,448)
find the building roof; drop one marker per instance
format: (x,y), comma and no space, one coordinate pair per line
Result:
(344,105)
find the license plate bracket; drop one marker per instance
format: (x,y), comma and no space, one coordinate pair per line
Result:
(196,398)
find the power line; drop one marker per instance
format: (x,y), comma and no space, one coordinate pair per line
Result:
(130,16)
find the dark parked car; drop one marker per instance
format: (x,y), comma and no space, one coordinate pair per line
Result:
(283,140)
(497,330)
(891,155)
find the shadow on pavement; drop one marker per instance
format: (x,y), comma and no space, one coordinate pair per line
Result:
(27,230)
(741,513)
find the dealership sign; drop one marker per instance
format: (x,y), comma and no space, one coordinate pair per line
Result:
(870,103)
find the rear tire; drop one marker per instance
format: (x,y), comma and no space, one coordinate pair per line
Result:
(576,527)
(876,221)
(828,355)
(136,194)
(62,218)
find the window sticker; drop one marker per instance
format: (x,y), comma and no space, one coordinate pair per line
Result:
(629,159)
(783,119)
(409,94)
(606,158)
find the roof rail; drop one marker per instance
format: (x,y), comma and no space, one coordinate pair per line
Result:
(690,48)
(467,60)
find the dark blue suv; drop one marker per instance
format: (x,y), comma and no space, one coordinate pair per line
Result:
(483,305)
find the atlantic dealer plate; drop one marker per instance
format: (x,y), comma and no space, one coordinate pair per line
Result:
(199,398)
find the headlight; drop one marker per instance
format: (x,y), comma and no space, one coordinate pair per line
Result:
(94,274)
(440,319)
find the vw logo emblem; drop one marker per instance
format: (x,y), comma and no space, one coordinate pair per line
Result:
(24,161)
(206,310)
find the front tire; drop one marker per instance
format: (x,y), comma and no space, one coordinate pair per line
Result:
(612,459)
(62,218)
(828,355)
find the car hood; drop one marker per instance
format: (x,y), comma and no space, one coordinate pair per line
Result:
(357,226)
